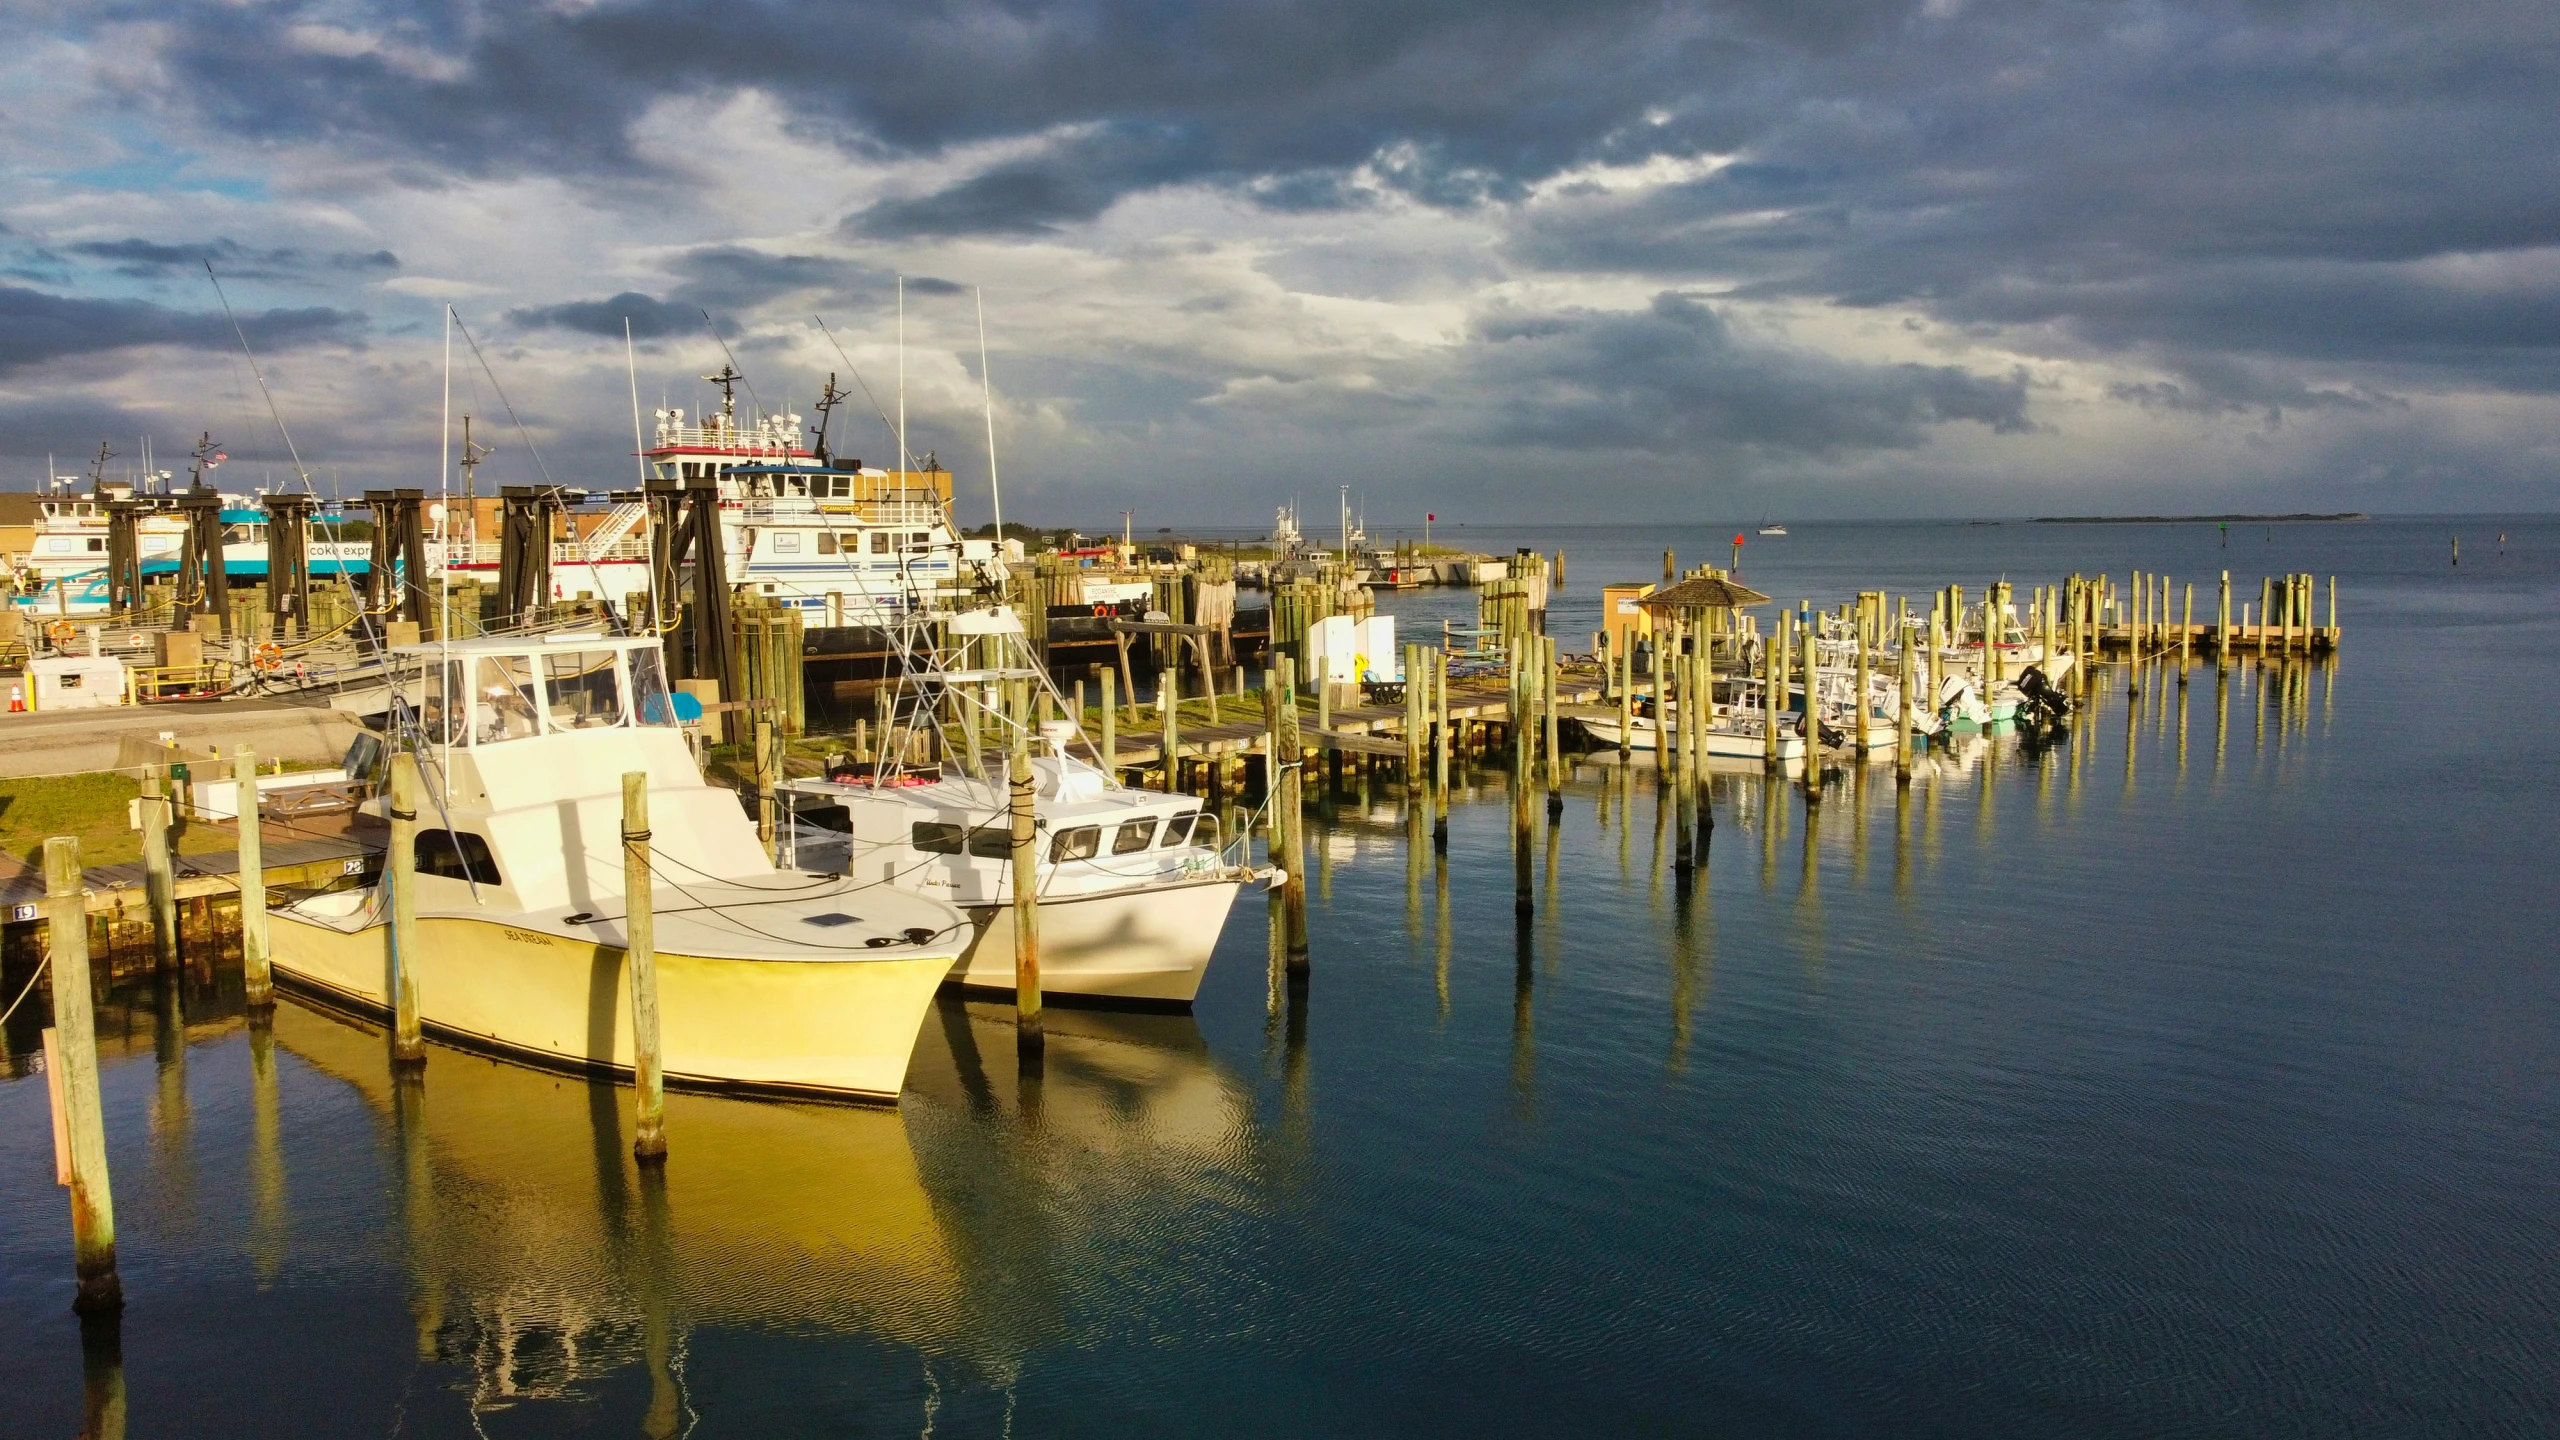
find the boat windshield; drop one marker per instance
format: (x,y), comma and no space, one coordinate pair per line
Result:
(443,703)
(504,700)
(585,695)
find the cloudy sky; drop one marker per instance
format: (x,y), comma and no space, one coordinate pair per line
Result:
(1600,261)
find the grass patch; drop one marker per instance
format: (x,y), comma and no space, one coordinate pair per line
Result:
(91,808)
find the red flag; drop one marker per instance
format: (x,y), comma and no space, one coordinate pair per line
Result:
(1433,518)
(1737,539)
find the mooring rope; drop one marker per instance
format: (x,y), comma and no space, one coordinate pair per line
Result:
(30,990)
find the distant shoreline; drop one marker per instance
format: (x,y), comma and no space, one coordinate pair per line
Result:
(2305,518)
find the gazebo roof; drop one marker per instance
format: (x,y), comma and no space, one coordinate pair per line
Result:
(1706,592)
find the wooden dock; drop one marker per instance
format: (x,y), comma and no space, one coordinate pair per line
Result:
(1356,730)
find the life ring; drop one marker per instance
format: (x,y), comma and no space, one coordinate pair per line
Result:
(268,657)
(1100,610)
(62,633)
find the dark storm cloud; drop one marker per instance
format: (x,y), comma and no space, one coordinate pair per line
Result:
(1075,182)
(148,259)
(724,277)
(1677,377)
(36,327)
(2188,185)
(650,318)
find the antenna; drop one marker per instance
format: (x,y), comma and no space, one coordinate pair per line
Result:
(98,467)
(730,373)
(987,390)
(865,385)
(473,453)
(828,399)
(206,456)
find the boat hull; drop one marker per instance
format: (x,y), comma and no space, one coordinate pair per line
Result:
(1145,946)
(840,1029)
(1721,744)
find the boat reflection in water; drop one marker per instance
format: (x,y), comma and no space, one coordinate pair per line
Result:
(979,1221)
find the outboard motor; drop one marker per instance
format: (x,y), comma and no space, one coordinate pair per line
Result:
(2045,701)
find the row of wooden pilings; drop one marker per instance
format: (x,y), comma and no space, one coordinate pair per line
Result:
(2149,616)
(71,1044)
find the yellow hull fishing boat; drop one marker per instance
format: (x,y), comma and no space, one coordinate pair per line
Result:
(769,980)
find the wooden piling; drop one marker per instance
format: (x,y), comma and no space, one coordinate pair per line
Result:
(1292,808)
(1414,689)
(1813,710)
(1030,1041)
(1110,728)
(1902,740)
(2222,625)
(97,1290)
(159,880)
(1858,688)
(408,1047)
(1169,739)
(640,949)
(2186,633)
(2266,612)
(1626,659)
(768,760)
(1547,682)
(1772,672)
(1276,831)
(257,977)
(1443,742)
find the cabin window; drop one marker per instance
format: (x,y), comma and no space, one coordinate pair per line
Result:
(1134,836)
(935,838)
(456,855)
(1177,831)
(97,545)
(826,542)
(584,693)
(786,543)
(1081,843)
(881,541)
(503,699)
(992,841)
(920,539)
(443,704)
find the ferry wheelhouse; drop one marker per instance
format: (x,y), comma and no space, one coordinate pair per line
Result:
(854,548)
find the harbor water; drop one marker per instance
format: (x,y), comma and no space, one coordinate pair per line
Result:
(2197,1074)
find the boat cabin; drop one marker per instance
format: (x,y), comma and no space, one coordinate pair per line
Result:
(954,838)
(523,742)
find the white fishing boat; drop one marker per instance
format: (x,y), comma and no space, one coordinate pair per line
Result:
(1134,885)
(1737,731)
(2014,650)
(769,980)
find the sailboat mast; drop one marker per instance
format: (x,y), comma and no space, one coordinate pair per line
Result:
(444,544)
(902,380)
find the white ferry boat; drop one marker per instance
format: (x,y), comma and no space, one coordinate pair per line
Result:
(70,541)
